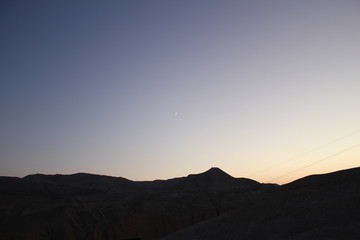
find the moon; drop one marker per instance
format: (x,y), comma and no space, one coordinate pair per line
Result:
(176,113)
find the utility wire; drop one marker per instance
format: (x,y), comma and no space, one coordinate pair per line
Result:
(316,162)
(305,153)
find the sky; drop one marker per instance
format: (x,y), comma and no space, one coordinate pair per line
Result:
(160,89)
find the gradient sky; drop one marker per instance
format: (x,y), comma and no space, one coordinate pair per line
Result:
(159,89)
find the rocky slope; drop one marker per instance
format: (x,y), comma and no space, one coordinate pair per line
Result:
(209,205)
(315,207)
(87,206)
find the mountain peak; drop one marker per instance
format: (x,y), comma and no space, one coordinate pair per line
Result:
(215,171)
(216,178)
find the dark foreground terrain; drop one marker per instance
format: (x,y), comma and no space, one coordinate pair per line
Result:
(210,205)
(315,207)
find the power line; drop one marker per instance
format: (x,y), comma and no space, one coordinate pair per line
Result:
(316,162)
(305,153)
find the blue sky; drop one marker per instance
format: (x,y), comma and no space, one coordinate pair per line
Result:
(158,89)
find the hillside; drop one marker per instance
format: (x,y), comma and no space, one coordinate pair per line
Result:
(315,207)
(88,206)
(209,205)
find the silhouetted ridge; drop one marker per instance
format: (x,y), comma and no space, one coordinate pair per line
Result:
(25,186)
(87,180)
(97,207)
(213,172)
(347,176)
(325,206)
(215,178)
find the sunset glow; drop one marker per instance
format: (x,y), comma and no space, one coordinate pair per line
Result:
(157,89)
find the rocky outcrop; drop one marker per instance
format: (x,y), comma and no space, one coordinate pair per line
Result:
(87,206)
(315,207)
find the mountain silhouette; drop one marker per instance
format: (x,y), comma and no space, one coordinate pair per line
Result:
(315,207)
(89,206)
(208,205)
(215,178)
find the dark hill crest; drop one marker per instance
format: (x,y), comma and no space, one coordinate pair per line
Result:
(118,208)
(213,172)
(44,207)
